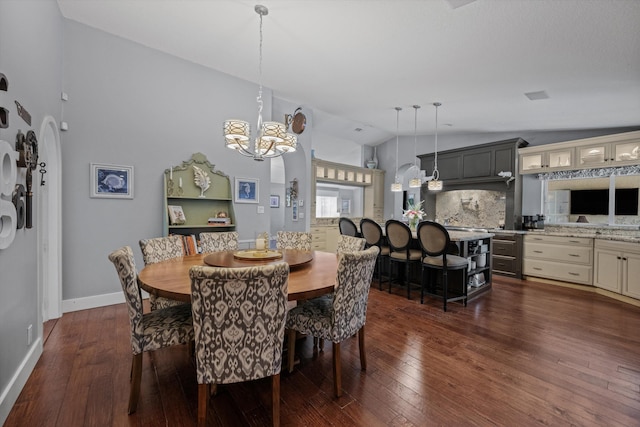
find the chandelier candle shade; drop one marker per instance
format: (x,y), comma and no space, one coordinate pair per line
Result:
(435,184)
(397,185)
(416,181)
(273,139)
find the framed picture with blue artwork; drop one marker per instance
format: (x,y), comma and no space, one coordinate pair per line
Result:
(111,181)
(246,190)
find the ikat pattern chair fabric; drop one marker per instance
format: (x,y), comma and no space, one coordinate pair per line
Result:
(340,315)
(293,240)
(151,331)
(350,244)
(238,317)
(216,242)
(161,249)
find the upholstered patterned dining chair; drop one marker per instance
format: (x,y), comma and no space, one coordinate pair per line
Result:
(350,244)
(161,249)
(293,240)
(238,318)
(151,331)
(215,242)
(340,315)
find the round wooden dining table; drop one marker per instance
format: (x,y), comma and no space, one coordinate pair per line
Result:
(308,278)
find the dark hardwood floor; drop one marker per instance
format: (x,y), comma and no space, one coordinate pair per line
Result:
(525,354)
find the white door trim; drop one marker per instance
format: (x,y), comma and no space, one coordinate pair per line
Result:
(49,221)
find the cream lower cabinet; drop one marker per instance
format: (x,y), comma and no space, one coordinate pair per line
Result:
(617,267)
(324,238)
(568,259)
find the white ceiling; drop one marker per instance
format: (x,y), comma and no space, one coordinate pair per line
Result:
(353,61)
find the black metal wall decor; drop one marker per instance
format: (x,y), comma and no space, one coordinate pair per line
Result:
(27,147)
(42,171)
(22,112)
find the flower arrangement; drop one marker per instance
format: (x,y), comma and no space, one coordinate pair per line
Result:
(414,213)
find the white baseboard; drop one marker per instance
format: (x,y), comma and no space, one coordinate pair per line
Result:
(86,303)
(16,384)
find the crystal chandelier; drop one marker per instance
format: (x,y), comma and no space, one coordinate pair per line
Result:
(435,184)
(416,181)
(273,139)
(397,185)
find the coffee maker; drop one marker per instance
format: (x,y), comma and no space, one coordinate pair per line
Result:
(533,222)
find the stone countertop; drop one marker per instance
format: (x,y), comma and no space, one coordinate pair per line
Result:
(588,234)
(459,236)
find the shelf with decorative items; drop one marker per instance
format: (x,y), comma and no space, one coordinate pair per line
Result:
(197,198)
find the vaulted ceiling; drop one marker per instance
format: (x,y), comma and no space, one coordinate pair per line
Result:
(353,61)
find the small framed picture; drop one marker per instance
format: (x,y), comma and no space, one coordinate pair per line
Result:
(274,201)
(176,215)
(111,181)
(345,207)
(246,190)
(294,213)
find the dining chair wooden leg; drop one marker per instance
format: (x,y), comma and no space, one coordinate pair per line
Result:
(363,355)
(292,348)
(204,394)
(337,379)
(136,377)
(275,400)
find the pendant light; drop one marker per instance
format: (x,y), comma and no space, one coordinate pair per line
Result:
(397,185)
(416,181)
(273,140)
(435,184)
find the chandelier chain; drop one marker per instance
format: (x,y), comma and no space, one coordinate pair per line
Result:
(435,157)
(398,109)
(260,103)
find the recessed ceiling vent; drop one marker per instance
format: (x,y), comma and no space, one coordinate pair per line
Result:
(534,96)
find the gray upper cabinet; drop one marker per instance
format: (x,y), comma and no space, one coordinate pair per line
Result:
(477,163)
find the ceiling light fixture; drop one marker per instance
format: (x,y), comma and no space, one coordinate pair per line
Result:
(273,139)
(416,181)
(397,185)
(435,184)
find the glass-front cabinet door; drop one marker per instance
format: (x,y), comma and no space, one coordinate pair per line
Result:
(560,159)
(626,152)
(531,162)
(593,155)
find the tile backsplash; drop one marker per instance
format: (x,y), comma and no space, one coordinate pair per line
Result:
(471,208)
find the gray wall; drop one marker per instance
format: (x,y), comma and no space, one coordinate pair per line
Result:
(130,105)
(30,56)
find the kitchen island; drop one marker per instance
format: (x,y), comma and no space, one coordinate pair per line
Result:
(475,245)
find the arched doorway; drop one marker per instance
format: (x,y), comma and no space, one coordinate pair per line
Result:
(49,221)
